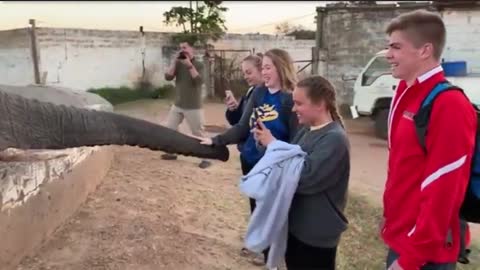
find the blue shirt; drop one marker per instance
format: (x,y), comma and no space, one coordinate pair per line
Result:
(269,112)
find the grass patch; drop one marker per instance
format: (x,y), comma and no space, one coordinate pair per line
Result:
(361,247)
(120,95)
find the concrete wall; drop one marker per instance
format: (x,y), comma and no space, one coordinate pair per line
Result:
(39,190)
(352,35)
(16,65)
(298,49)
(463,37)
(88,58)
(83,58)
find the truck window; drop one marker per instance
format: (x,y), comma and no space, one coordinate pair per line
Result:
(377,68)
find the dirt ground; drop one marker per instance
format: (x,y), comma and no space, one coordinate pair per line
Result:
(155,214)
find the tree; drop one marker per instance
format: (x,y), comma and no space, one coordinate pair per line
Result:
(283,28)
(302,34)
(299,32)
(199,25)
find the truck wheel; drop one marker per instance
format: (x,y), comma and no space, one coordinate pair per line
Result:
(381,124)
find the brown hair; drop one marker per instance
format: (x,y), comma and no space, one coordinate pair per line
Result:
(256,60)
(320,89)
(284,64)
(423,27)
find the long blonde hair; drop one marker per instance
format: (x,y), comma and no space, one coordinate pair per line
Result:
(255,59)
(284,64)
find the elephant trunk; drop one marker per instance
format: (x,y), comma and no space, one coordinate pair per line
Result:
(31,124)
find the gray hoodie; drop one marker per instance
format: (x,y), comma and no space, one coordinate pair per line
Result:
(300,188)
(316,214)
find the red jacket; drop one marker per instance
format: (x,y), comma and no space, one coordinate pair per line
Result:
(424,191)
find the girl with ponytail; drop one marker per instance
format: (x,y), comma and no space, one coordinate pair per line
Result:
(316,220)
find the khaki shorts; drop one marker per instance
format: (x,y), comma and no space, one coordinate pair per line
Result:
(195,119)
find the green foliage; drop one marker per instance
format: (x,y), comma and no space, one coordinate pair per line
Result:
(361,247)
(302,34)
(296,31)
(199,24)
(125,94)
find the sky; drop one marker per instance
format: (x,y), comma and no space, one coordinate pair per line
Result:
(242,17)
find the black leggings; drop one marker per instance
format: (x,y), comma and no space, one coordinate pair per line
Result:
(301,256)
(246,168)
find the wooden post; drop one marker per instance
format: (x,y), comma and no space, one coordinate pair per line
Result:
(33,38)
(208,74)
(315,61)
(142,45)
(318,40)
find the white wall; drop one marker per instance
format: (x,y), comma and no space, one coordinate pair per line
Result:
(298,49)
(16,66)
(83,59)
(463,37)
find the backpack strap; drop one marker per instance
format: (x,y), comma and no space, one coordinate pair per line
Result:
(421,123)
(423,115)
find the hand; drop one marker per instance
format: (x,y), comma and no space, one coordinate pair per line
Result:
(231,102)
(395,266)
(187,62)
(203,140)
(263,134)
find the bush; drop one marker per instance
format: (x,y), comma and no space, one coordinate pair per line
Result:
(165,91)
(126,94)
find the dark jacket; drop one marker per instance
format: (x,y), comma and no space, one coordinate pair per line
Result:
(241,130)
(234,116)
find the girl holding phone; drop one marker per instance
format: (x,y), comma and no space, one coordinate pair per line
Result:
(272,104)
(316,220)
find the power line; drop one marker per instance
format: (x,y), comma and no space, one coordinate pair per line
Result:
(274,23)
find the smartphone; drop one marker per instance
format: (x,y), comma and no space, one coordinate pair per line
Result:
(257,118)
(228,94)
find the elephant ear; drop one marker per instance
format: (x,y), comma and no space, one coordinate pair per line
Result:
(31,124)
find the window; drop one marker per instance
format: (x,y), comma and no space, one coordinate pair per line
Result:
(377,68)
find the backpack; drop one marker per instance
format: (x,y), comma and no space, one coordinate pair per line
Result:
(470,209)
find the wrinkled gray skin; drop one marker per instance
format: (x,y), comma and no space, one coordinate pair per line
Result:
(30,124)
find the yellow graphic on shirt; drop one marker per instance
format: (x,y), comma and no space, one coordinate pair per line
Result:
(265,113)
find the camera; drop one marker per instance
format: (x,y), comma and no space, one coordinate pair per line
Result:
(182,55)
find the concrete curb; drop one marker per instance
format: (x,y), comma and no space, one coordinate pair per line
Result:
(42,189)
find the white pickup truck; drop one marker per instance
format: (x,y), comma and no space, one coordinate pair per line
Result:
(375,86)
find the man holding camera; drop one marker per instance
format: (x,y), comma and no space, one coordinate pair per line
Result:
(187,72)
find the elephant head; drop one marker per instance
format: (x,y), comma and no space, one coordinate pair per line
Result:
(31,124)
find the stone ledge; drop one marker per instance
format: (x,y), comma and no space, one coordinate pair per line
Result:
(24,228)
(40,189)
(22,179)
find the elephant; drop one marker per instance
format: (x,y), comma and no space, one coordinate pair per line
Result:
(31,124)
